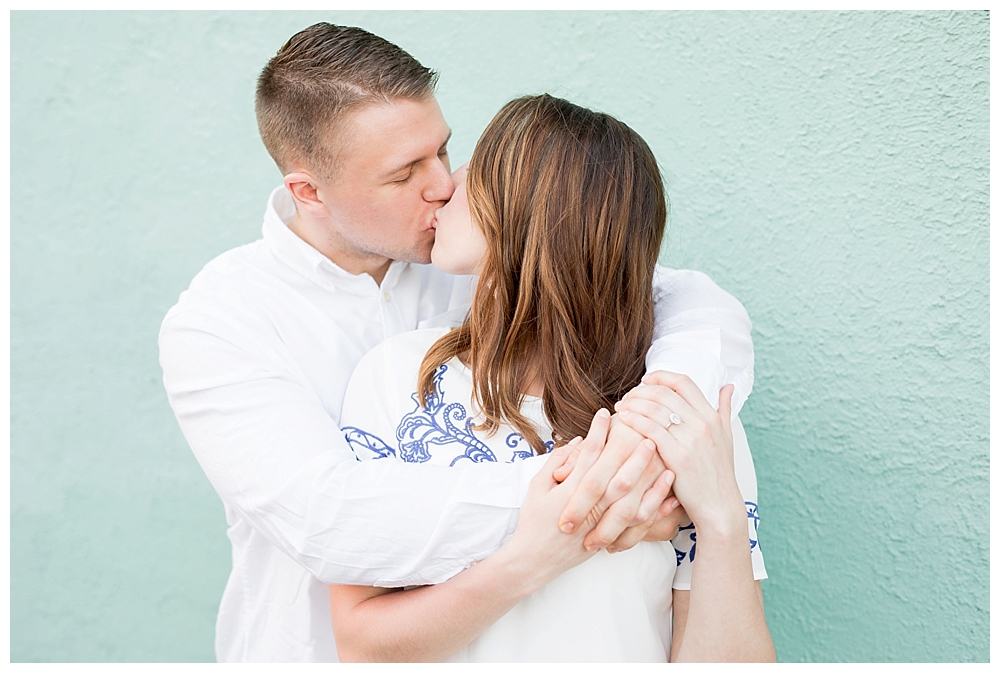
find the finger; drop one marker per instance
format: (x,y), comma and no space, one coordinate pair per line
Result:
(630,537)
(587,489)
(665,401)
(726,409)
(613,523)
(653,488)
(589,449)
(666,444)
(682,385)
(665,416)
(566,468)
(654,497)
(617,510)
(629,473)
(682,422)
(591,497)
(670,506)
(557,458)
(666,526)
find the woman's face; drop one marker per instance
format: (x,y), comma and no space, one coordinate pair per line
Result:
(459,246)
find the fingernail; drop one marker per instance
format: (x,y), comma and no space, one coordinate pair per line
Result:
(649,444)
(617,404)
(624,413)
(593,548)
(574,441)
(566,527)
(612,550)
(603,413)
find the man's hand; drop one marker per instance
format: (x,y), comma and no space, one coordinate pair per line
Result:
(623,489)
(668,525)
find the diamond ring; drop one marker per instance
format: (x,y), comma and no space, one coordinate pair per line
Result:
(675,419)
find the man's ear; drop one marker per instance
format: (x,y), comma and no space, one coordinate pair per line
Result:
(305,191)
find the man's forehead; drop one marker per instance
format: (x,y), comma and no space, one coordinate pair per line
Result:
(398,127)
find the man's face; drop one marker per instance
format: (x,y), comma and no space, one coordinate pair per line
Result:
(393,176)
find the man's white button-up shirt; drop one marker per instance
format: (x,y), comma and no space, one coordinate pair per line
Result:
(256,357)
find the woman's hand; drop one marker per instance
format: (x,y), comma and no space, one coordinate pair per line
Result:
(722,617)
(698,448)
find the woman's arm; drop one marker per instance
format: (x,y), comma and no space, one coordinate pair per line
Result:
(681,607)
(431,623)
(722,617)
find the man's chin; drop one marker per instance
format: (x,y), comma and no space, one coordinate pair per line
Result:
(414,256)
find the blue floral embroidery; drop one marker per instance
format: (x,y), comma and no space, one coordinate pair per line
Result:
(681,555)
(752,514)
(515,438)
(477,454)
(693,536)
(359,439)
(436,425)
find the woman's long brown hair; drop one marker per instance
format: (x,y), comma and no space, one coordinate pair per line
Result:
(572,207)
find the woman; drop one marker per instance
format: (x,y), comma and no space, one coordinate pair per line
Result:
(562,217)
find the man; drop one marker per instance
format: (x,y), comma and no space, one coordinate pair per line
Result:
(258,352)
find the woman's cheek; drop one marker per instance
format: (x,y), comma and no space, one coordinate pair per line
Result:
(442,254)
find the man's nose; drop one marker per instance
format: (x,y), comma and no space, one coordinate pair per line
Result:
(441,186)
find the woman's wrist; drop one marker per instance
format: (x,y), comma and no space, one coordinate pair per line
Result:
(728,521)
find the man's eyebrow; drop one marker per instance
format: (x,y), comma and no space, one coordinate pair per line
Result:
(409,164)
(402,167)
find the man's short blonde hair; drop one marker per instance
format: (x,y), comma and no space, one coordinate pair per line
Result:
(319,75)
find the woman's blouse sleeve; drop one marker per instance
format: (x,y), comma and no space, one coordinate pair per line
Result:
(373,401)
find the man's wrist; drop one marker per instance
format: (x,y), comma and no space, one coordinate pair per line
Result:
(519,575)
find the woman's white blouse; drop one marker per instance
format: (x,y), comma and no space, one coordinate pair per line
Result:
(611,608)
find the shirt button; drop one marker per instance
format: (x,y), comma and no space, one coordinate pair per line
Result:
(387,297)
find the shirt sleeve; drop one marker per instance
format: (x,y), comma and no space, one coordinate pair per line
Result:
(686,542)
(701,331)
(278,458)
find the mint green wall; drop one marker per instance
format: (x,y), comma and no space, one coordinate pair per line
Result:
(829,169)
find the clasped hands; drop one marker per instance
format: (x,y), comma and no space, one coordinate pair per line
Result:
(629,462)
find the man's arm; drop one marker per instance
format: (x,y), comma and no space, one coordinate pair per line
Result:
(276,456)
(703,332)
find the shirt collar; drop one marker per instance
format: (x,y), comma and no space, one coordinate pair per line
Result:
(307,260)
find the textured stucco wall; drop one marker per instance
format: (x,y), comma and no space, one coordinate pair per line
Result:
(829,169)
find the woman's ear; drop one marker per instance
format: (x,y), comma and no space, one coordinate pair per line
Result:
(305,191)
